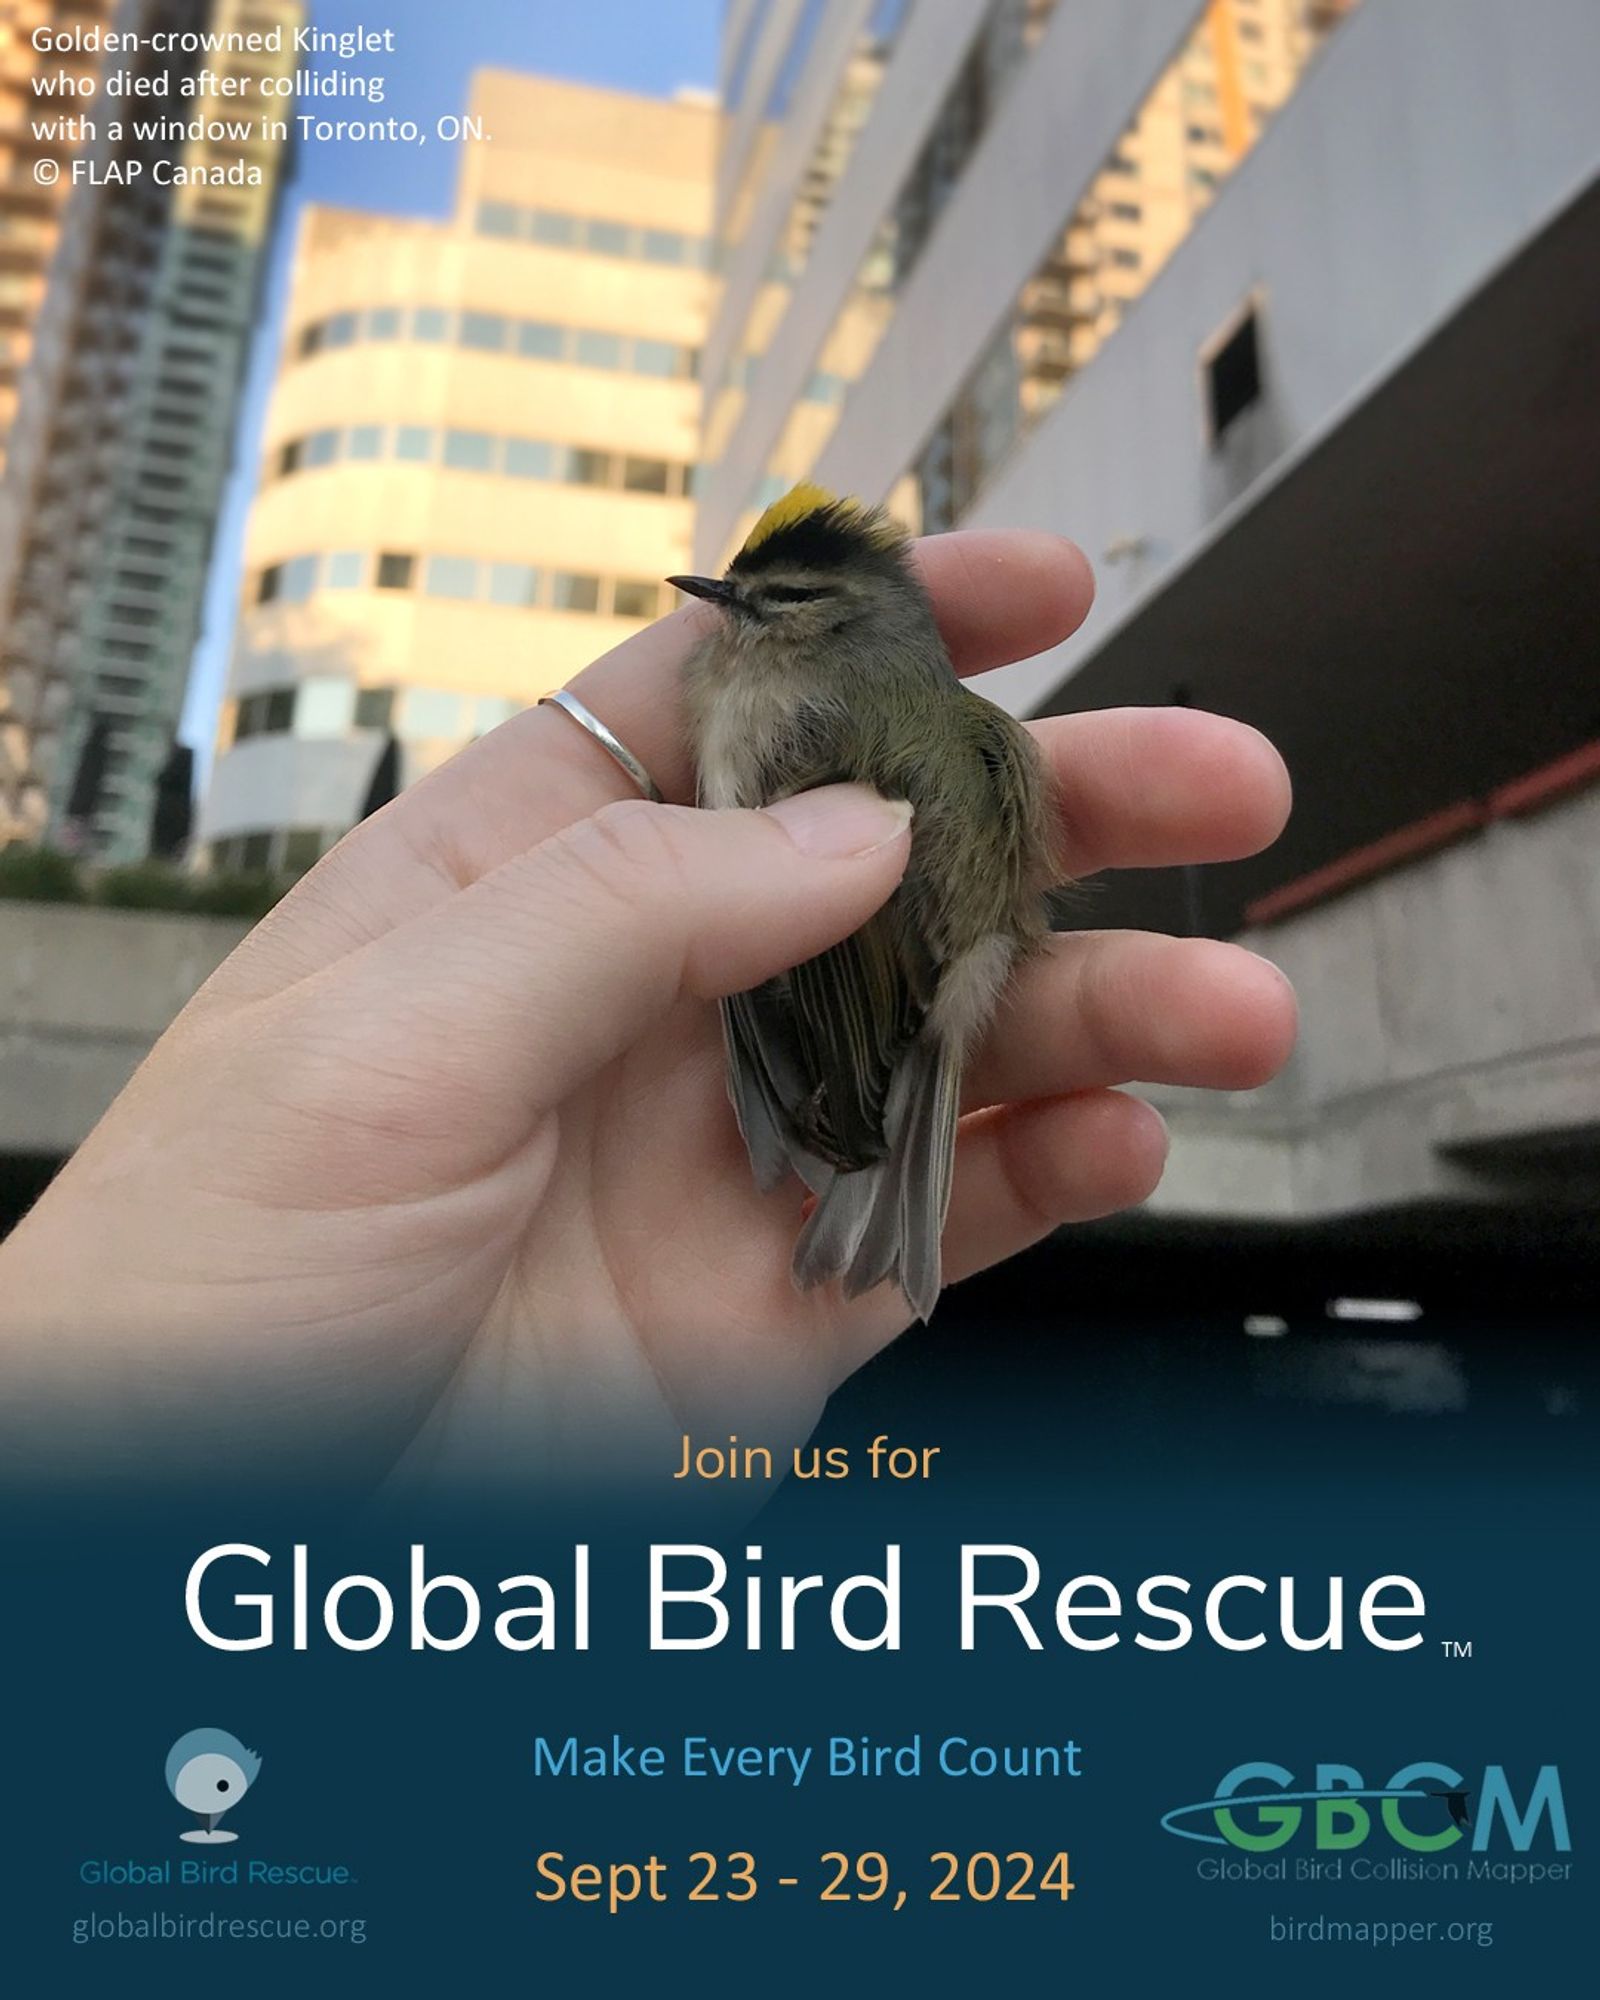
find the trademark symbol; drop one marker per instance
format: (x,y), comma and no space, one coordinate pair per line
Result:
(1457,1649)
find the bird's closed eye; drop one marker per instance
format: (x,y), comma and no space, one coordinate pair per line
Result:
(797,593)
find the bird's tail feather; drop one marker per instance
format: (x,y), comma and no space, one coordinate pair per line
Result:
(885,1221)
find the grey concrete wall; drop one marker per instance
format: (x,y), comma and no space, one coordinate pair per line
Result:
(1453,1004)
(83,994)
(1449,1009)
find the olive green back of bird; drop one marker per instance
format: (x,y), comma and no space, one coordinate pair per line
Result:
(828,667)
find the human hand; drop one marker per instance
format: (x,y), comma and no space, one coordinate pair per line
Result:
(437,1174)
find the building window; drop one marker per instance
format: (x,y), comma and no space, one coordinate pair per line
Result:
(485,331)
(634,597)
(469,451)
(289,459)
(608,239)
(646,475)
(269,583)
(450,576)
(515,584)
(545,226)
(1124,259)
(575,593)
(598,350)
(588,468)
(395,571)
(302,849)
(529,458)
(374,706)
(1126,211)
(347,570)
(1233,377)
(255,852)
(321,448)
(499,218)
(324,705)
(365,441)
(269,711)
(340,330)
(663,246)
(538,342)
(657,357)
(299,579)
(414,442)
(532,340)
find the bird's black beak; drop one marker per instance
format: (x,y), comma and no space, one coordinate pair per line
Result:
(711,588)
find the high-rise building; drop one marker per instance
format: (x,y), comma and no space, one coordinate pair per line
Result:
(123,427)
(1199,117)
(1121,271)
(479,458)
(33,313)
(34,80)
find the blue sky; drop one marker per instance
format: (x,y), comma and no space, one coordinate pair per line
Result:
(644,45)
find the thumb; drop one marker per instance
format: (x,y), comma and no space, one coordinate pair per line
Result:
(525,984)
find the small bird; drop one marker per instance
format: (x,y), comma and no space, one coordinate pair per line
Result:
(828,667)
(208,1773)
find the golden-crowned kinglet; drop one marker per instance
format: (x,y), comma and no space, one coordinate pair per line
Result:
(828,667)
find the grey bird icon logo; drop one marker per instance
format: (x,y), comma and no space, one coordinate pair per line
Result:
(1457,1802)
(208,1773)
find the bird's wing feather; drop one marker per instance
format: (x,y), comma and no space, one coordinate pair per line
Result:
(855,1010)
(766,1077)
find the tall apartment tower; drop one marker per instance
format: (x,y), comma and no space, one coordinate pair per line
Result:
(34,313)
(479,457)
(125,422)
(31,207)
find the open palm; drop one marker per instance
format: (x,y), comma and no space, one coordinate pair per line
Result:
(437,1174)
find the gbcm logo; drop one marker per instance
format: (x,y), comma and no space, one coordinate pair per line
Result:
(1424,1808)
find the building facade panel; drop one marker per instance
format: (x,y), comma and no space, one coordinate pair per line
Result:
(478,466)
(929,48)
(1352,273)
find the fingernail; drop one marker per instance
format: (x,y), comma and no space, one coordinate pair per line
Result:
(841,820)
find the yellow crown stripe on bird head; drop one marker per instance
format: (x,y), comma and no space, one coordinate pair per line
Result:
(795,505)
(806,499)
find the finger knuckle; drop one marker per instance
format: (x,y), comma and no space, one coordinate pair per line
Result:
(629,848)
